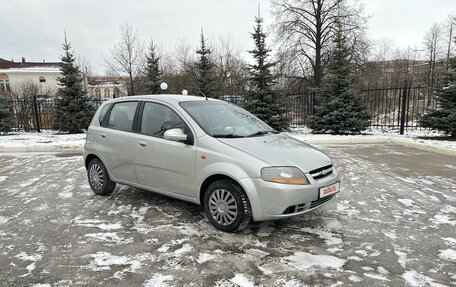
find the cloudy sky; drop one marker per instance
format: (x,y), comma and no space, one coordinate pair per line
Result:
(34,28)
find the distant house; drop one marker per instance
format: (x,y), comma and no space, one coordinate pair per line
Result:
(105,88)
(44,74)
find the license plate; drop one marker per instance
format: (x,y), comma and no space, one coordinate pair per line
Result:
(330,189)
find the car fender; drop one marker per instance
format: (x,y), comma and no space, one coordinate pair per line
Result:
(234,172)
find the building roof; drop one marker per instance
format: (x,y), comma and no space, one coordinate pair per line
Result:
(10,64)
(37,69)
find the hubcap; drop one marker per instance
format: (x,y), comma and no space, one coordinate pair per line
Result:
(223,207)
(96,177)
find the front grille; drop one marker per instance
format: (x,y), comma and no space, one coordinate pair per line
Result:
(321,172)
(320,201)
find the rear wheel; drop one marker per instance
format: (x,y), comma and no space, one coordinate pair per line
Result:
(98,177)
(227,206)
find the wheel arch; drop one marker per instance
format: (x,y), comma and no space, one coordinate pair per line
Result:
(89,158)
(211,179)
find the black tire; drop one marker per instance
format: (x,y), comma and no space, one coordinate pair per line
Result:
(98,178)
(220,212)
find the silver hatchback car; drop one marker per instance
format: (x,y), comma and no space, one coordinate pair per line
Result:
(208,152)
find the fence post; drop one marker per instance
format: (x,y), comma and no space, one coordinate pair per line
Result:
(35,113)
(403,107)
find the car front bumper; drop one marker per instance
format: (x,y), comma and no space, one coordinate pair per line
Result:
(271,201)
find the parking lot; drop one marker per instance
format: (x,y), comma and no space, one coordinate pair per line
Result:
(393,224)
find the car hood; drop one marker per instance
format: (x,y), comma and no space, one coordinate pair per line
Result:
(280,150)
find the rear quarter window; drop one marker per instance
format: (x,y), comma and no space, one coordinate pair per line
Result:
(102,114)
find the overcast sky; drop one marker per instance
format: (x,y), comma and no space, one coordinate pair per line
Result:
(34,28)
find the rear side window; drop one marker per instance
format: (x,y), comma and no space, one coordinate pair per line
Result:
(157,119)
(122,115)
(103,112)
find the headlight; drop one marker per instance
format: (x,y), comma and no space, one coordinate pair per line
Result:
(285,174)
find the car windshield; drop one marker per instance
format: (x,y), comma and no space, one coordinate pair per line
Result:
(221,119)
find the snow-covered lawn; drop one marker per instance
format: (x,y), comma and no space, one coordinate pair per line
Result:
(414,138)
(47,140)
(51,141)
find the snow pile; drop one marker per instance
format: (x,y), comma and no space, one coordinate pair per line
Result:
(448,254)
(242,281)
(44,141)
(304,260)
(158,280)
(409,140)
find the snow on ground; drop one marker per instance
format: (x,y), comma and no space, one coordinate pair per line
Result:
(391,225)
(47,138)
(376,136)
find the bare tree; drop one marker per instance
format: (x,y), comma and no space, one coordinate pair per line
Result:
(22,94)
(384,49)
(305,29)
(231,69)
(84,65)
(177,66)
(433,48)
(449,27)
(127,57)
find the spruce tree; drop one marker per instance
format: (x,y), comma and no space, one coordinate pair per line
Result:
(6,117)
(205,77)
(152,71)
(340,110)
(443,118)
(73,112)
(262,100)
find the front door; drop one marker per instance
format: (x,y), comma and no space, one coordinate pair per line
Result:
(163,164)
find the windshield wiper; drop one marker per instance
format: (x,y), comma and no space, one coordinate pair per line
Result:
(260,133)
(227,136)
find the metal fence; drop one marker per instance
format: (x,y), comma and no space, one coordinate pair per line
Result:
(34,114)
(392,108)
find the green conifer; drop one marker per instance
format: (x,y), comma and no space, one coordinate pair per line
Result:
(263,101)
(205,74)
(339,109)
(443,118)
(73,112)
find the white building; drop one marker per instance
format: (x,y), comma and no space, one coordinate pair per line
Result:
(105,88)
(45,77)
(14,74)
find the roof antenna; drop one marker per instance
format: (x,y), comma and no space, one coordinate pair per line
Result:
(195,85)
(202,39)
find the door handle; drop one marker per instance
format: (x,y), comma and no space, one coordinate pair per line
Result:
(103,135)
(142,143)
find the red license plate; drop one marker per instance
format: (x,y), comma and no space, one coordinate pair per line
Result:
(330,189)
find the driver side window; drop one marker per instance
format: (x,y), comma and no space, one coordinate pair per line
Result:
(156,119)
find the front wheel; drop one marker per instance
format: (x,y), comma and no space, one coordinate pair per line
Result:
(227,206)
(99,179)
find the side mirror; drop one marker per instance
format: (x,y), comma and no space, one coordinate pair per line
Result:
(175,135)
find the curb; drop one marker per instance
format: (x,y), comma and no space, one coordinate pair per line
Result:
(42,148)
(407,142)
(422,146)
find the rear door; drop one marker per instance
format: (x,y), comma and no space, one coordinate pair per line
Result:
(116,140)
(163,164)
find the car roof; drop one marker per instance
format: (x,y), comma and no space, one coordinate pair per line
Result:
(170,98)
